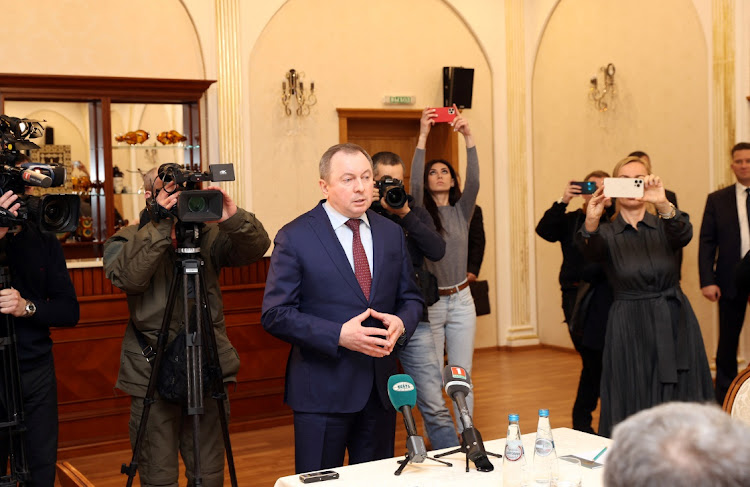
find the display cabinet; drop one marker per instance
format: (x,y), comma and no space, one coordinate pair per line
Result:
(86,114)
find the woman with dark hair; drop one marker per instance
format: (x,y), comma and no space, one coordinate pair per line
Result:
(453,319)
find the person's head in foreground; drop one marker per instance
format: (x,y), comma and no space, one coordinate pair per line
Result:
(679,444)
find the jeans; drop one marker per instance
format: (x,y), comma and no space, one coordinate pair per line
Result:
(453,320)
(421,363)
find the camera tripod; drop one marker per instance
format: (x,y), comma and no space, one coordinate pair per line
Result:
(12,428)
(199,334)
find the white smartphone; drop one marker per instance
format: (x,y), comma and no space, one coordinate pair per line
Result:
(623,187)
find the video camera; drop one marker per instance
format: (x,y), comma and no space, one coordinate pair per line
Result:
(196,205)
(56,213)
(393,191)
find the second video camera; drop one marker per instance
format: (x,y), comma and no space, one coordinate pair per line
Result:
(392,190)
(56,213)
(196,205)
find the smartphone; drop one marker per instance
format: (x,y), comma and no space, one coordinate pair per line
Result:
(623,187)
(309,478)
(587,187)
(586,463)
(445,114)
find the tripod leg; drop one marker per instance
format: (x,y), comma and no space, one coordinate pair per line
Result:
(217,380)
(402,464)
(161,344)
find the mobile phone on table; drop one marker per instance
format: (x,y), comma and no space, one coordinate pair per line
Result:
(309,478)
(445,114)
(587,187)
(623,187)
(585,463)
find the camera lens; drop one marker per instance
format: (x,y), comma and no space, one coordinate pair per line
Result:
(197,204)
(395,197)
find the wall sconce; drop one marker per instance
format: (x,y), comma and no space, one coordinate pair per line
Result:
(294,89)
(600,96)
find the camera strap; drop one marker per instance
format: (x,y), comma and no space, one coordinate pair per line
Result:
(146,349)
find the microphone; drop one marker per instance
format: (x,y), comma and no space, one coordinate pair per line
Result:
(458,385)
(403,396)
(32,178)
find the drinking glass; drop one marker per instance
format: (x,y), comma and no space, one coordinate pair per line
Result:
(569,472)
(534,477)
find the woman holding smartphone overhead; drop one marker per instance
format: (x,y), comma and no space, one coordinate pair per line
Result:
(654,350)
(435,186)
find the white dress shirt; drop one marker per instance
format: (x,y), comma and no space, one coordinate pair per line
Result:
(742,215)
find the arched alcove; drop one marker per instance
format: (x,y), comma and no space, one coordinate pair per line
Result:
(660,106)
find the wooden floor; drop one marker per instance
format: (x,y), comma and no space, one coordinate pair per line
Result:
(519,381)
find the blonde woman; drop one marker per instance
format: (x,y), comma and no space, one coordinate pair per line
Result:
(654,351)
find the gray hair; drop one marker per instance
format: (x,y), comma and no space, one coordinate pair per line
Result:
(679,444)
(348,148)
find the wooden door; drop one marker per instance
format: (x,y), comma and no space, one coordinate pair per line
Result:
(396,130)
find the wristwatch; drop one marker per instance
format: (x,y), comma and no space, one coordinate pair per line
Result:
(29,310)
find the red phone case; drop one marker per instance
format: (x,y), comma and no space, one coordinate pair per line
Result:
(445,114)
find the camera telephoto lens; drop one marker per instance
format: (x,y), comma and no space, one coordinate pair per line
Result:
(395,197)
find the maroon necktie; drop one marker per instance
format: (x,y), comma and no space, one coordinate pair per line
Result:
(361,266)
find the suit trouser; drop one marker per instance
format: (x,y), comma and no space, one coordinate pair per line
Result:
(169,431)
(587,396)
(731,317)
(322,439)
(39,387)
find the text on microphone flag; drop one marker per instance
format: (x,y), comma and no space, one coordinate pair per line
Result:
(403,386)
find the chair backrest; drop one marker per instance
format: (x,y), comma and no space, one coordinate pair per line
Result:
(69,476)
(737,400)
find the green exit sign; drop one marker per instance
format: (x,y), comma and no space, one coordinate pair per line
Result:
(400,100)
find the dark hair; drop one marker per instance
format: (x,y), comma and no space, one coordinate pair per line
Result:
(348,148)
(638,153)
(740,146)
(454,193)
(386,158)
(596,174)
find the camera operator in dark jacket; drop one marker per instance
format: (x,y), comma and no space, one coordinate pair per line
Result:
(40,295)
(140,260)
(418,357)
(586,295)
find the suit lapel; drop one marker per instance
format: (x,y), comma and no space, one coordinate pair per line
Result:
(730,206)
(378,249)
(321,225)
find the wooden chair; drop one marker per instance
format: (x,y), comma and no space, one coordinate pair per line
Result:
(69,476)
(737,400)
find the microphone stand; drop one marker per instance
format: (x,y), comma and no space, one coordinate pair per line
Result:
(469,435)
(413,455)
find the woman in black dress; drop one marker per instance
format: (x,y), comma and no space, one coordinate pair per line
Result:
(654,350)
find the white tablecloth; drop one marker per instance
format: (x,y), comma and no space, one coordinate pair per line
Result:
(431,474)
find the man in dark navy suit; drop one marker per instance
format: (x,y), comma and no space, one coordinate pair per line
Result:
(341,290)
(724,240)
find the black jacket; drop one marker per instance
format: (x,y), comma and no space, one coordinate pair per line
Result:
(476,242)
(38,271)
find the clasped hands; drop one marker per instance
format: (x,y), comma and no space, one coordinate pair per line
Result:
(375,342)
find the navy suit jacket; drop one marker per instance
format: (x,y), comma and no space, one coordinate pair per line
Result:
(311,291)
(720,231)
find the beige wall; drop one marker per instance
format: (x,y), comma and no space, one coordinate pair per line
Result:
(660,106)
(356,52)
(661,49)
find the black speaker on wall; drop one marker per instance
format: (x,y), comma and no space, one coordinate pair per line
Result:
(458,84)
(49,136)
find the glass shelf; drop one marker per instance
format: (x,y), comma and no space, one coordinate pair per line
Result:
(141,146)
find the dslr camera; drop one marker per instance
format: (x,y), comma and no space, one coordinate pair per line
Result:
(196,205)
(392,190)
(55,213)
